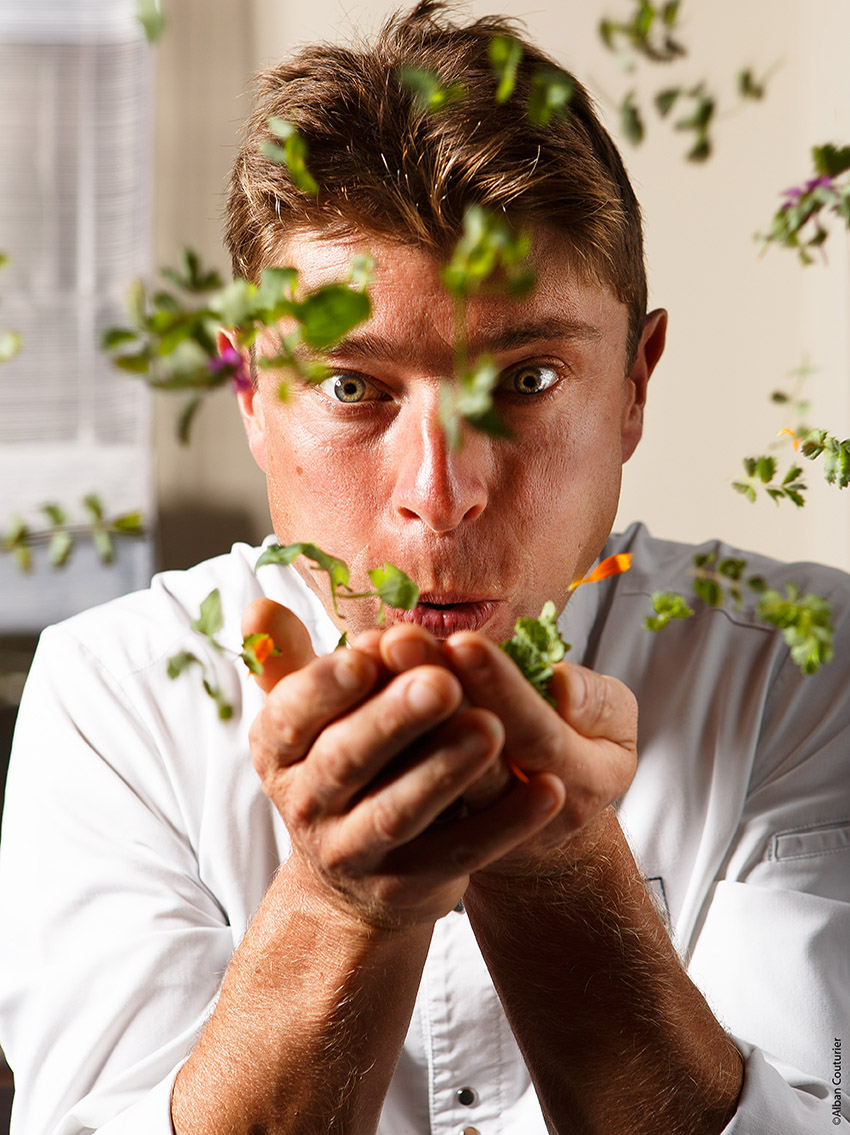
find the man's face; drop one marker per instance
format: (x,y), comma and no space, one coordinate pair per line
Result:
(360,464)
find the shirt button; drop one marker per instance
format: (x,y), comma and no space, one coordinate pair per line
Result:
(467,1096)
(469,1131)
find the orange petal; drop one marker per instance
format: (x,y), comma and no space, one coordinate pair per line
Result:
(517,771)
(792,435)
(263,647)
(613,565)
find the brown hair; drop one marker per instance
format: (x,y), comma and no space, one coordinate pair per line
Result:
(386,167)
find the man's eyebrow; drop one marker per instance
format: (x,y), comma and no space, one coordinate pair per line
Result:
(497,340)
(503,339)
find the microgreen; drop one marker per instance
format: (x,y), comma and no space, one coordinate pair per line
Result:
(489,255)
(808,442)
(667,605)
(293,153)
(650,36)
(392,587)
(430,93)
(171,343)
(805,620)
(505,54)
(800,221)
(761,474)
(149,15)
(61,535)
(649,32)
(10,341)
(536,646)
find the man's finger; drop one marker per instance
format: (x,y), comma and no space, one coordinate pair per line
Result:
(289,635)
(595,705)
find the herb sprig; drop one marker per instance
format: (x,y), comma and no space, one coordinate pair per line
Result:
(61,535)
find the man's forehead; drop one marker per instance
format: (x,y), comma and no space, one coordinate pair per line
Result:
(564,304)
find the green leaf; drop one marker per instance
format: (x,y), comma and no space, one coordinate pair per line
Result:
(831,161)
(149,15)
(702,113)
(186,417)
(748,86)
(59,549)
(249,652)
(488,245)
(94,506)
(22,557)
(10,344)
(130,523)
(606,31)
(225,709)
(701,149)
(210,621)
(429,92)
(138,363)
(667,605)
(337,569)
(282,555)
(551,91)
(765,469)
(329,313)
(192,278)
(665,100)
(293,154)
(746,490)
(806,624)
(536,646)
(631,122)
(394,588)
(54,514)
(505,54)
(670,13)
(115,337)
(181,661)
(731,568)
(237,304)
(709,591)
(102,544)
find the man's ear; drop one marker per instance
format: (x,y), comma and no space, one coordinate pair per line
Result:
(649,351)
(250,403)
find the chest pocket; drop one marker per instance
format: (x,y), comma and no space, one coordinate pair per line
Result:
(815,859)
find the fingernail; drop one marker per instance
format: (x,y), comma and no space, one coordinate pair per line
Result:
(469,656)
(348,671)
(423,698)
(406,654)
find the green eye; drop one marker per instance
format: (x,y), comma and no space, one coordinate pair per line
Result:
(530,378)
(345,387)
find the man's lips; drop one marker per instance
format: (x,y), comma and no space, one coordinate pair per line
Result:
(445,613)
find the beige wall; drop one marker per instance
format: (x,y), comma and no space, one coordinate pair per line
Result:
(739,320)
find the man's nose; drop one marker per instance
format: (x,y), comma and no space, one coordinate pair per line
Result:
(439,485)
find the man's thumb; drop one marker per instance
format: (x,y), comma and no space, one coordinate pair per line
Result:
(288,634)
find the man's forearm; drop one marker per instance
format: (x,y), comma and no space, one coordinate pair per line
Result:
(306,1034)
(616,1036)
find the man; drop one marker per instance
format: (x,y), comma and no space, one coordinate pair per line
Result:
(435,903)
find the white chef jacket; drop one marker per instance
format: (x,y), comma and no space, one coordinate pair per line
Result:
(137,844)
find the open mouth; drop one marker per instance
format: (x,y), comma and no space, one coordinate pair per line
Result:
(444,615)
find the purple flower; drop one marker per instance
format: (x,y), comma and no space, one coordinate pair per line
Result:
(234,364)
(794,195)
